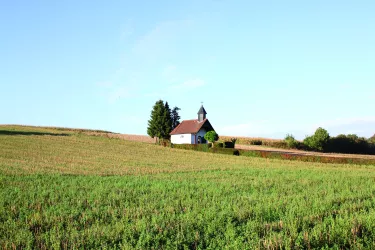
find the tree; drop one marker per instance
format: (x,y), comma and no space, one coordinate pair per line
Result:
(291,142)
(175,117)
(372,139)
(167,117)
(318,141)
(211,136)
(157,123)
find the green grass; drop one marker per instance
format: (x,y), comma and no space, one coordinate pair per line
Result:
(71,190)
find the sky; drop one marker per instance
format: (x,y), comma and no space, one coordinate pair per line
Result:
(261,68)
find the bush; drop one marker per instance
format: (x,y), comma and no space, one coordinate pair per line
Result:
(318,141)
(291,142)
(228,144)
(207,148)
(351,144)
(372,139)
(256,142)
(165,142)
(196,147)
(233,140)
(211,136)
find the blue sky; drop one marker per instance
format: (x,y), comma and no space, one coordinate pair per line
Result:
(262,68)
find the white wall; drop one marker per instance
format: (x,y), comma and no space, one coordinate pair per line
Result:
(182,139)
(187,138)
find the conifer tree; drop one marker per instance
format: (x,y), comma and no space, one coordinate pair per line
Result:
(156,124)
(175,117)
(162,120)
(167,120)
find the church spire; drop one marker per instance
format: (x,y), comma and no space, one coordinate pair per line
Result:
(201,114)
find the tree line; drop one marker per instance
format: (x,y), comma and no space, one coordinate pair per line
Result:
(321,141)
(163,120)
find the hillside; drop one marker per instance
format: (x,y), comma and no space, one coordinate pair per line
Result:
(68,189)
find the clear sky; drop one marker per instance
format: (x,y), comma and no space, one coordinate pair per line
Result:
(262,68)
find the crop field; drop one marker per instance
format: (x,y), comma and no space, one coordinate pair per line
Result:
(67,190)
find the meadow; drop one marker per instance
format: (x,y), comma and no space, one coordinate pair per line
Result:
(64,189)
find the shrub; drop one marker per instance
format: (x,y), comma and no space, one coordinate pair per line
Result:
(256,142)
(233,140)
(228,144)
(351,144)
(372,139)
(207,148)
(211,136)
(196,147)
(318,141)
(165,142)
(291,142)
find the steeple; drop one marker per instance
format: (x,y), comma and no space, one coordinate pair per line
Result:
(201,114)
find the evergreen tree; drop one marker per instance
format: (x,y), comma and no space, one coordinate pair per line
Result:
(162,120)
(156,124)
(175,117)
(167,117)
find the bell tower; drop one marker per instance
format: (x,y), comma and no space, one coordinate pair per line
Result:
(201,114)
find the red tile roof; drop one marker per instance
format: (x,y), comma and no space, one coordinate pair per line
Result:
(189,127)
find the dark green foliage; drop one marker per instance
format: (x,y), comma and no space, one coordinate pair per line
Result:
(207,148)
(228,144)
(162,120)
(165,143)
(211,136)
(318,141)
(372,139)
(175,117)
(167,117)
(196,147)
(256,142)
(350,144)
(157,123)
(291,142)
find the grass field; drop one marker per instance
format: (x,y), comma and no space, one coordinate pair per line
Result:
(66,189)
